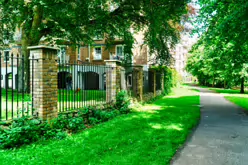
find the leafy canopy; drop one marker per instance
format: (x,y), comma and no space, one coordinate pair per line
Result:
(222,52)
(79,21)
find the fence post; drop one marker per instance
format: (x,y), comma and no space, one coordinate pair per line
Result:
(111,80)
(138,82)
(44,67)
(154,85)
(153,81)
(162,81)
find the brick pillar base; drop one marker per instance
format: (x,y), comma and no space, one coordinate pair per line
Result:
(111,80)
(43,67)
(153,81)
(162,82)
(138,82)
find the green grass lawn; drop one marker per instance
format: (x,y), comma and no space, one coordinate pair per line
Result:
(240,101)
(151,134)
(228,91)
(234,96)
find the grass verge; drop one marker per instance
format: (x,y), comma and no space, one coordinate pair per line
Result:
(150,135)
(240,101)
(234,96)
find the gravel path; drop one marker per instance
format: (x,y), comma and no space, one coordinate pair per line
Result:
(221,137)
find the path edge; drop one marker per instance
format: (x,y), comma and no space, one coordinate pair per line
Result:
(189,137)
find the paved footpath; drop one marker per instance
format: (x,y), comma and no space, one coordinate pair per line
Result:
(221,137)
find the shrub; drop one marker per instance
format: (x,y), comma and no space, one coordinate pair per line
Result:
(65,123)
(122,102)
(25,130)
(22,131)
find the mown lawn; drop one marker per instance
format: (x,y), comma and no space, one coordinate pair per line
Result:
(150,135)
(227,91)
(240,101)
(234,96)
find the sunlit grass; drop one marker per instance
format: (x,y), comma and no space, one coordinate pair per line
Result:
(150,135)
(234,96)
(240,101)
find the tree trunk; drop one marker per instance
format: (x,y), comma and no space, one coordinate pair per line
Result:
(242,88)
(30,37)
(23,69)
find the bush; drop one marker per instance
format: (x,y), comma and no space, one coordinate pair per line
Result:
(123,102)
(22,131)
(70,124)
(25,130)
(171,78)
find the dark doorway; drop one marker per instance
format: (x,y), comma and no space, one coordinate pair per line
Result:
(91,81)
(8,80)
(151,81)
(104,80)
(62,79)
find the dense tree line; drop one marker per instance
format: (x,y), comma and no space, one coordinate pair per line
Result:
(220,57)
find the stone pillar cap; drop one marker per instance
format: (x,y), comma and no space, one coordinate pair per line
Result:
(42,47)
(118,61)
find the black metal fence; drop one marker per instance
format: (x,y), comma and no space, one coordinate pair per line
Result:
(15,100)
(158,80)
(146,82)
(81,85)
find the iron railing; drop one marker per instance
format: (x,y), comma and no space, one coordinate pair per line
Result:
(158,80)
(81,85)
(145,82)
(15,100)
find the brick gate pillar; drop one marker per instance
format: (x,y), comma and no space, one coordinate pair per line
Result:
(138,81)
(153,81)
(162,81)
(44,69)
(112,84)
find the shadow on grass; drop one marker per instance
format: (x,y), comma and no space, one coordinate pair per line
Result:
(145,137)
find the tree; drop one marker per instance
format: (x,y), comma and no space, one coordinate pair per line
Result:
(78,21)
(225,30)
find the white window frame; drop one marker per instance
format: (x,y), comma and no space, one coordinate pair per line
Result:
(4,59)
(79,53)
(117,49)
(129,83)
(62,57)
(95,55)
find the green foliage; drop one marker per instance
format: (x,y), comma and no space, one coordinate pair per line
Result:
(122,102)
(22,131)
(89,18)
(171,78)
(220,56)
(72,124)
(25,131)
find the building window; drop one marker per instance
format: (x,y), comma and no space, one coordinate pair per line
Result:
(119,51)
(98,53)
(6,56)
(62,55)
(79,53)
(129,80)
